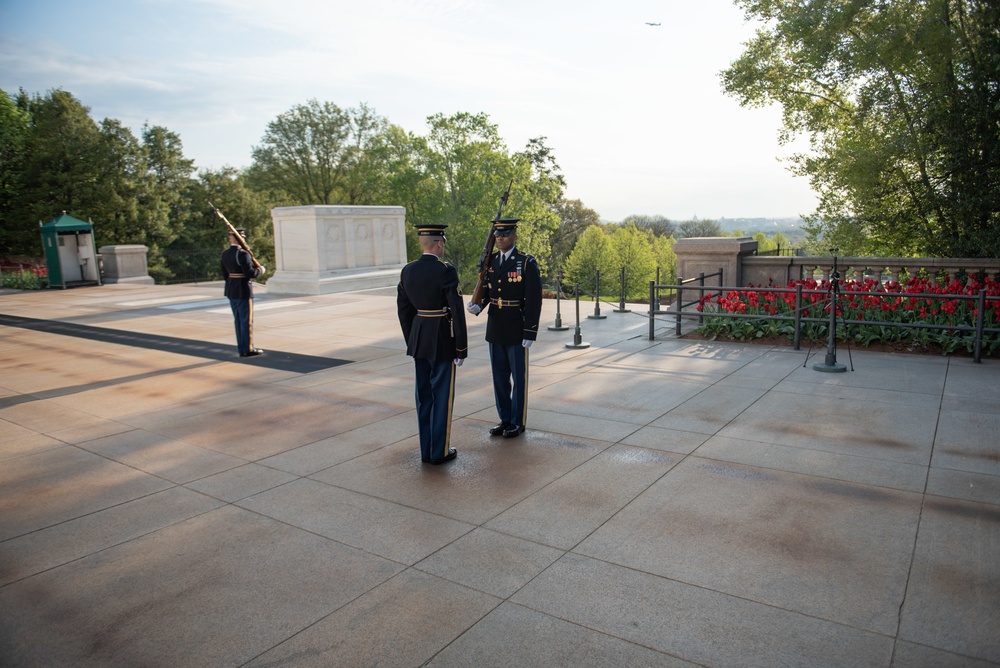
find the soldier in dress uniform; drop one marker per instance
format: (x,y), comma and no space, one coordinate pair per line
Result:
(429,306)
(239,270)
(513,291)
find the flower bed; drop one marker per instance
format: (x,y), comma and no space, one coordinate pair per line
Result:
(923,312)
(23,276)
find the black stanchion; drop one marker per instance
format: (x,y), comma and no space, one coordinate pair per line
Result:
(652,333)
(659,308)
(597,300)
(558,326)
(621,308)
(654,305)
(577,337)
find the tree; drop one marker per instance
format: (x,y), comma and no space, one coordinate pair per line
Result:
(466,156)
(17,235)
(666,259)
(62,156)
(194,254)
(168,170)
(899,100)
(700,228)
(320,154)
(94,171)
(591,254)
(365,172)
(574,218)
(543,186)
(658,225)
(410,181)
(632,250)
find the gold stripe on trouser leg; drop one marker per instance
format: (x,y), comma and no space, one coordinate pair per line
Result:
(451,404)
(524,399)
(250,325)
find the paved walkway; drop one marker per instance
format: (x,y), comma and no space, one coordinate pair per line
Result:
(673,502)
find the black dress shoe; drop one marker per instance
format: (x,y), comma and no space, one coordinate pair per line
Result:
(512,431)
(452,453)
(253,353)
(500,429)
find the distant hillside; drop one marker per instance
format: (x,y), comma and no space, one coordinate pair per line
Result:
(790,227)
(765,225)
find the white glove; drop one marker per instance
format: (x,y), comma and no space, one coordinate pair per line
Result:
(474,309)
(527,343)
(458,362)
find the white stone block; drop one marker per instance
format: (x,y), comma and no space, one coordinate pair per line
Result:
(325,249)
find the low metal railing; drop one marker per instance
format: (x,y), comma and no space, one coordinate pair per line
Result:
(978,330)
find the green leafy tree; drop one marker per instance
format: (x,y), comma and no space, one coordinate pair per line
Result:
(592,253)
(18,236)
(632,250)
(763,243)
(542,189)
(365,168)
(411,181)
(666,259)
(899,100)
(574,218)
(61,165)
(466,154)
(320,154)
(98,172)
(168,172)
(194,254)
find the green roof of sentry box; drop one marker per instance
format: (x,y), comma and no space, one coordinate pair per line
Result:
(66,223)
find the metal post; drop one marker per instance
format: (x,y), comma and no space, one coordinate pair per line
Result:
(558,326)
(577,338)
(797,339)
(654,300)
(597,300)
(652,287)
(981,308)
(621,307)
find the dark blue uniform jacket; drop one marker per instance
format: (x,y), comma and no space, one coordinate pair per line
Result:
(430,309)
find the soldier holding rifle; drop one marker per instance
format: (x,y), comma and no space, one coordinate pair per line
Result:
(239,268)
(510,283)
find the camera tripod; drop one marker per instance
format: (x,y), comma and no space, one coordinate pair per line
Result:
(830,364)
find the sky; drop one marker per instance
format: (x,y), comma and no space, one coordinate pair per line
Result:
(634,114)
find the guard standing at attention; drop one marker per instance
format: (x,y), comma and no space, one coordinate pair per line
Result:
(239,270)
(513,291)
(429,306)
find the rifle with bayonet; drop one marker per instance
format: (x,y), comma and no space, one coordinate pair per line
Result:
(483,266)
(235,233)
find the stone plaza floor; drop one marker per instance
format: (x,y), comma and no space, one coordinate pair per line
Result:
(674,502)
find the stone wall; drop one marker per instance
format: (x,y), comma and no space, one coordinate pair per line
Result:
(741,268)
(710,254)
